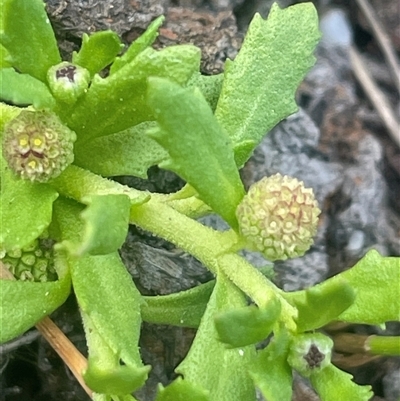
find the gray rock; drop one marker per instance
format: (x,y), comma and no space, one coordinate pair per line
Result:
(291,148)
(335,28)
(391,383)
(76,17)
(161,271)
(359,219)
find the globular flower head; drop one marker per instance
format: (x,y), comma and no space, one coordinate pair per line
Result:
(34,262)
(37,146)
(310,353)
(278,217)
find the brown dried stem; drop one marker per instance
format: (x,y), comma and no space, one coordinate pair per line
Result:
(76,362)
(375,95)
(383,40)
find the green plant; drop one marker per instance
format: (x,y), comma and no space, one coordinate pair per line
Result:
(154,108)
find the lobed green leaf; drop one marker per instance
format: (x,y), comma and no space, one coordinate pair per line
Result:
(252,102)
(97,51)
(210,86)
(5,61)
(209,364)
(181,390)
(77,183)
(24,89)
(7,113)
(199,150)
(28,37)
(108,300)
(141,43)
(248,325)
(129,152)
(106,220)
(107,295)
(271,372)
(104,373)
(333,384)
(376,280)
(118,380)
(26,209)
(323,303)
(184,308)
(118,102)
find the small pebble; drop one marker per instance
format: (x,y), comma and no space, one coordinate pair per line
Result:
(336,29)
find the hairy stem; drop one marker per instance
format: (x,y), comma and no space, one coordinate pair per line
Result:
(383,345)
(76,183)
(256,286)
(215,249)
(202,242)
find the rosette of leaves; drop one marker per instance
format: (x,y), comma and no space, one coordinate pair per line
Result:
(137,108)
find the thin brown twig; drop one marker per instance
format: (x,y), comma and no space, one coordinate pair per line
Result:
(383,40)
(375,95)
(75,361)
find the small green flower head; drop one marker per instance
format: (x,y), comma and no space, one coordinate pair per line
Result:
(37,146)
(68,81)
(34,262)
(278,217)
(310,353)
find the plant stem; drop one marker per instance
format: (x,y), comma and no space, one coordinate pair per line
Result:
(213,249)
(202,242)
(383,345)
(77,183)
(256,286)
(376,345)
